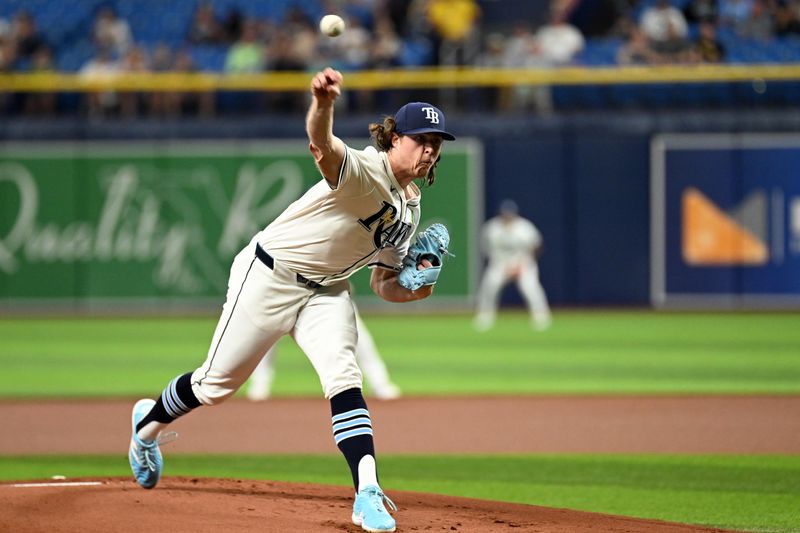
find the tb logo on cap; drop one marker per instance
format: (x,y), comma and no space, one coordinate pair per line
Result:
(431,115)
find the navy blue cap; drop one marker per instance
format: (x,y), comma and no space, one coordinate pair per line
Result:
(419,117)
(508,207)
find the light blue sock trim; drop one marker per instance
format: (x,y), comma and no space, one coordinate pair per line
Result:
(348,414)
(353,433)
(350,423)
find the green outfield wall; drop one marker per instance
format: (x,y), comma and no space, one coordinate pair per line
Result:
(154,225)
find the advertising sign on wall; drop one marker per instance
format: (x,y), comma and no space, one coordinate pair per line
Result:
(725,220)
(148,224)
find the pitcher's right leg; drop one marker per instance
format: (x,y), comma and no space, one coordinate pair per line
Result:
(237,346)
(148,418)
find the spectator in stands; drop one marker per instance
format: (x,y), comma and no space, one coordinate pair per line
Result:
(100,68)
(494,51)
(455,30)
(112,32)
(558,40)
(176,103)
(707,48)
(637,49)
(386,46)
(697,11)
(419,46)
(557,44)
(385,52)
(732,13)
(135,61)
(26,35)
(494,56)
(247,55)
(161,103)
(759,25)
(205,28)
(304,36)
(233,25)
(666,29)
(8,52)
(284,55)
(522,51)
(363,10)
(787,17)
(675,47)
(162,59)
(41,103)
(353,48)
(200,103)
(5,38)
(597,18)
(8,56)
(521,47)
(397,11)
(662,22)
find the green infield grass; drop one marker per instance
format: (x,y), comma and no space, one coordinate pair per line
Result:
(747,493)
(591,352)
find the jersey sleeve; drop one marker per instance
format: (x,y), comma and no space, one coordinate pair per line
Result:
(355,167)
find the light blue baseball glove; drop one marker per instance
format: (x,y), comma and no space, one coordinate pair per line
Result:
(431,244)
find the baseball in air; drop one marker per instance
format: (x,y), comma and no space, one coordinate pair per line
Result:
(331,25)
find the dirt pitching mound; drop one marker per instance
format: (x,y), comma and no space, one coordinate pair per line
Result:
(199,505)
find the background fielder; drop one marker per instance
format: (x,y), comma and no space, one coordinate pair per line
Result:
(511,244)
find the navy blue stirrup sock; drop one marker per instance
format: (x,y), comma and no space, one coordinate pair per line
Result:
(352,428)
(176,401)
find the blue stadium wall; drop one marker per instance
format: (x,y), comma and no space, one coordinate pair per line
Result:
(584,179)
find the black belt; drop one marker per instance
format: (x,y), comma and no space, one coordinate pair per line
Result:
(270,262)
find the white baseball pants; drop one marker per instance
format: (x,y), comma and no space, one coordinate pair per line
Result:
(261,306)
(496,277)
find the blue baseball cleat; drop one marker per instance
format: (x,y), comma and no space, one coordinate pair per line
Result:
(369,512)
(144,457)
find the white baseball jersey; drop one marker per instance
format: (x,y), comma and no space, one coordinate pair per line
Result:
(511,243)
(328,234)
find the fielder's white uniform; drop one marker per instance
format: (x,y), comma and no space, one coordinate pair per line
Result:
(314,246)
(510,244)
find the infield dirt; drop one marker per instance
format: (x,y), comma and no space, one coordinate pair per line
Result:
(744,425)
(185,505)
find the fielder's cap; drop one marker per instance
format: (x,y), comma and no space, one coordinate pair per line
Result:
(419,117)
(509,207)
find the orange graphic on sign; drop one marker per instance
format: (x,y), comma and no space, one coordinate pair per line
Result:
(712,238)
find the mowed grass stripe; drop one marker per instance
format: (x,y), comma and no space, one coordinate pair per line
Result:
(583,353)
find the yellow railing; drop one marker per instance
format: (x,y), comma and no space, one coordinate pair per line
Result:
(423,78)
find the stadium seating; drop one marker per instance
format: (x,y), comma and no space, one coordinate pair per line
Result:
(67,27)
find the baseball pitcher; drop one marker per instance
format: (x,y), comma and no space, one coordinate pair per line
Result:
(291,279)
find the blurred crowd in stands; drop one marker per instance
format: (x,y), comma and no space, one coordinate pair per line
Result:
(104,37)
